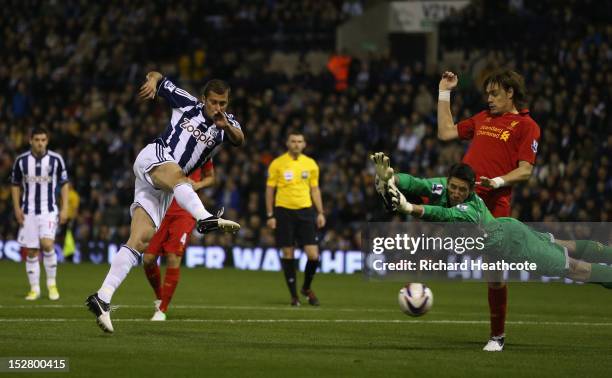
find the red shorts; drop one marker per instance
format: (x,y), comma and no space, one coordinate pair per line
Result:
(498,204)
(172,236)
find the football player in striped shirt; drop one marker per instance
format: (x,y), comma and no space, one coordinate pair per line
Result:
(196,130)
(36,176)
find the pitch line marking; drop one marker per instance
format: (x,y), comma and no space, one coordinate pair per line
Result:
(374,321)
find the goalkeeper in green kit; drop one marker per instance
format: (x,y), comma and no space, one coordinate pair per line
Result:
(452,199)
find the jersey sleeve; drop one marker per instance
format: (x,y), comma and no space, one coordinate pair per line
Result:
(17,173)
(464,212)
(314,176)
(420,186)
(176,97)
(232,121)
(62,172)
(272,174)
(465,128)
(529,143)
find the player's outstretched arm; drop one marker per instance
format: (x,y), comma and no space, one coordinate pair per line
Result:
(519,174)
(149,88)
(447,130)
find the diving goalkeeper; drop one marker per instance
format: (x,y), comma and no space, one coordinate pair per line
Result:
(452,199)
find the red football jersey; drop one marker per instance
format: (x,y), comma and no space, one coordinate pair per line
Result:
(499,142)
(175,209)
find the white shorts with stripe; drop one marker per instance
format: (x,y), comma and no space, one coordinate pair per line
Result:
(36,227)
(153,201)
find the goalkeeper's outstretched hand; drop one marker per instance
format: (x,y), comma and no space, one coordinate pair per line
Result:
(399,203)
(382,165)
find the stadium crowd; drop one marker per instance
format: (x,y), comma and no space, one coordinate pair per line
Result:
(74,67)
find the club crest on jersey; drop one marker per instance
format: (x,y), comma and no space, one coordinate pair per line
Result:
(288,175)
(534,146)
(437,189)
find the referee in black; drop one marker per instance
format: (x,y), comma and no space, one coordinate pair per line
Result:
(294,178)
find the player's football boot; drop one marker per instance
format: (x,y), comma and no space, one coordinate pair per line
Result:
(295,302)
(101,310)
(495,344)
(215,223)
(32,295)
(157,303)
(53,293)
(158,316)
(312,298)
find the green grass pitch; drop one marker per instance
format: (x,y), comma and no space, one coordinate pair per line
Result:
(231,323)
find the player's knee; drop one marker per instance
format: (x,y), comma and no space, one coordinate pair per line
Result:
(173,261)
(140,241)
(149,259)
(46,245)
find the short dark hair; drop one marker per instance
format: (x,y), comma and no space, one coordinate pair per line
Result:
(463,172)
(37,130)
(294,132)
(216,85)
(507,79)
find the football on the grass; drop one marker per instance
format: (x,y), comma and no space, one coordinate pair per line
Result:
(415,299)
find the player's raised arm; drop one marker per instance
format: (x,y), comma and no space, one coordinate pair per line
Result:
(149,88)
(158,85)
(447,130)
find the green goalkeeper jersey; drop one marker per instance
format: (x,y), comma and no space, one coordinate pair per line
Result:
(473,210)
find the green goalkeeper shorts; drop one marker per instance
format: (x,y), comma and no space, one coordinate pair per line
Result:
(514,241)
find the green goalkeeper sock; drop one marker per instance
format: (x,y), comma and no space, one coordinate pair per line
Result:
(602,275)
(594,252)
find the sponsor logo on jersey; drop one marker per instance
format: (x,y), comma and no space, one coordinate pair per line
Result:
(37,179)
(204,136)
(462,207)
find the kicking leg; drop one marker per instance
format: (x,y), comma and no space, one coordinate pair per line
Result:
(170,178)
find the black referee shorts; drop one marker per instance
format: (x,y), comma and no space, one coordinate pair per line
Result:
(295,227)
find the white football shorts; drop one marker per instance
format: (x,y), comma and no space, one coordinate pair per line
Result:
(36,227)
(153,201)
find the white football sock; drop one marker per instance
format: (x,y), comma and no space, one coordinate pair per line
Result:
(188,199)
(33,270)
(50,262)
(123,261)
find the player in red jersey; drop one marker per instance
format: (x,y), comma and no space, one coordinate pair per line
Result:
(502,153)
(171,240)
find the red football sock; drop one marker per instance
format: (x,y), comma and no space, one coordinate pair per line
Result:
(498,299)
(153,275)
(170,282)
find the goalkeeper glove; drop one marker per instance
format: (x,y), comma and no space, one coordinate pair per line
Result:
(399,202)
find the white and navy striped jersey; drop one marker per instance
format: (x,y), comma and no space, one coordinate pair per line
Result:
(39,179)
(192,137)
